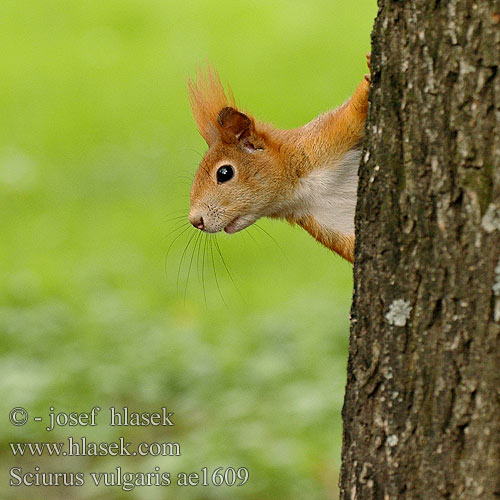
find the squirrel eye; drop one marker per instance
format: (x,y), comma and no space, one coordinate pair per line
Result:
(225,173)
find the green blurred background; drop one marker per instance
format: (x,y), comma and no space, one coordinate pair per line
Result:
(97,151)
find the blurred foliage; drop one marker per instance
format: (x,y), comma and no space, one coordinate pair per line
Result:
(97,150)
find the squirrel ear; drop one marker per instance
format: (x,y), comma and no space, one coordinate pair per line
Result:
(237,127)
(233,123)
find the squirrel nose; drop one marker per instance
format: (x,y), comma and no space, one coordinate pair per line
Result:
(197,221)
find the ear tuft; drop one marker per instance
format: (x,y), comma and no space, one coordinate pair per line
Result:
(216,114)
(207,97)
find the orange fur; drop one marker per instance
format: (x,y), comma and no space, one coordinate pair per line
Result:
(299,174)
(337,242)
(207,97)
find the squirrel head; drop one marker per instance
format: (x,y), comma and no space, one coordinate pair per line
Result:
(239,176)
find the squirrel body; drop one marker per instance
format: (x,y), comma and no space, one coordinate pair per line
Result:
(307,175)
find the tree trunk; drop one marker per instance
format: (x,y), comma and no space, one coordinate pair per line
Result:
(422,407)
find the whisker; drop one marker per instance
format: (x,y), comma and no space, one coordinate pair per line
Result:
(171,244)
(194,151)
(272,238)
(208,174)
(175,229)
(173,219)
(198,264)
(203,269)
(214,268)
(173,212)
(183,255)
(249,233)
(225,265)
(196,243)
(183,182)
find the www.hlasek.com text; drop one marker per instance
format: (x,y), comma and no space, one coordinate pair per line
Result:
(81,447)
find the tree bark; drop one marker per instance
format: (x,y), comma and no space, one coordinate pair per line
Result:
(422,407)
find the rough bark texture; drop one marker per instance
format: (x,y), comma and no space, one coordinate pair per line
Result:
(422,408)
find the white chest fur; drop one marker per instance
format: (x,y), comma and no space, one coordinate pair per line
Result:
(328,194)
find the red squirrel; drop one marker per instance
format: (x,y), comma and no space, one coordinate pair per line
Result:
(307,175)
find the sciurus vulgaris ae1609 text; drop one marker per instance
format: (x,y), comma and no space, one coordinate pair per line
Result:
(307,175)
